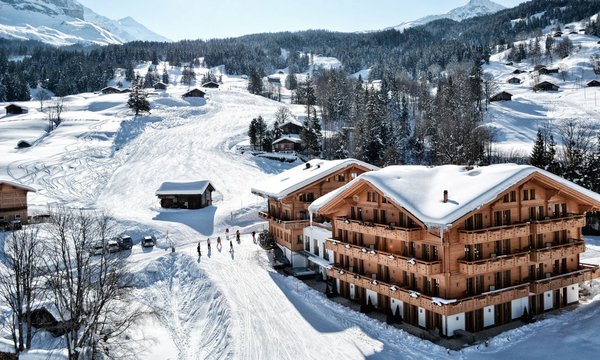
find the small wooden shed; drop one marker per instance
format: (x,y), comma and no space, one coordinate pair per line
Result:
(110,90)
(593,83)
(514,80)
(194,93)
(14,109)
(287,143)
(502,96)
(210,85)
(185,195)
(546,86)
(160,86)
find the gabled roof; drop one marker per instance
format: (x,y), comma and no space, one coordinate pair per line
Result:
(160,83)
(15,105)
(292,121)
(210,83)
(17,185)
(420,189)
(183,188)
(291,137)
(110,88)
(191,93)
(292,180)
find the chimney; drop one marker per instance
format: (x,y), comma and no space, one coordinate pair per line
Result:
(445,196)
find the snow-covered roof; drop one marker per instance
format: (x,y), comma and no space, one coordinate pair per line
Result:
(183,188)
(289,137)
(287,182)
(420,189)
(292,121)
(17,185)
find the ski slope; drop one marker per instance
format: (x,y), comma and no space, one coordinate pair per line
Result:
(222,305)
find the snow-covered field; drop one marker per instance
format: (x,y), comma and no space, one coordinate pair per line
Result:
(223,305)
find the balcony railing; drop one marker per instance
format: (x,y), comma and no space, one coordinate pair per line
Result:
(559,224)
(494,264)
(471,237)
(385,231)
(437,305)
(550,252)
(413,265)
(586,272)
(285,224)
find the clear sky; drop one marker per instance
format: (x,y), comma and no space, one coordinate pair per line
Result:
(193,19)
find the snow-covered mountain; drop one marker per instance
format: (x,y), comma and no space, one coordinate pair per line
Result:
(472,9)
(66,22)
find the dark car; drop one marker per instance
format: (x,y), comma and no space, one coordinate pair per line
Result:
(148,241)
(125,242)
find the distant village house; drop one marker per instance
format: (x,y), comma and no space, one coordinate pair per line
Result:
(593,83)
(210,85)
(287,143)
(14,109)
(546,86)
(502,96)
(13,202)
(110,90)
(514,80)
(160,86)
(194,93)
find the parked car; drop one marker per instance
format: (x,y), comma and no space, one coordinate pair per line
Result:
(97,248)
(148,241)
(112,246)
(125,242)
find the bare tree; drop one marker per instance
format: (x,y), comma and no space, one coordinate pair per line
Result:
(490,87)
(90,292)
(19,283)
(282,114)
(42,95)
(55,112)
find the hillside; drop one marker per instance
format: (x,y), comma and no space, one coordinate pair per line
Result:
(222,305)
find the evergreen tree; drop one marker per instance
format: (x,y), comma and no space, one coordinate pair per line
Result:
(291,82)
(252,133)
(538,157)
(255,83)
(138,100)
(165,76)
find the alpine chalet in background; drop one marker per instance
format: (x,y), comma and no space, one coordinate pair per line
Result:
(458,248)
(290,192)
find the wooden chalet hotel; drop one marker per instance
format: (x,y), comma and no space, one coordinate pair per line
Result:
(458,248)
(290,193)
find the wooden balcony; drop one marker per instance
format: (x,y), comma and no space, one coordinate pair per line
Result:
(426,268)
(559,224)
(437,305)
(586,272)
(495,264)
(284,224)
(384,231)
(558,251)
(471,237)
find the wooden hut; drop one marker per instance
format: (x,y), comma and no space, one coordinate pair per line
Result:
(210,85)
(110,90)
(514,80)
(546,86)
(194,93)
(502,96)
(160,86)
(185,195)
(14,109)
(593,83)
(287,143)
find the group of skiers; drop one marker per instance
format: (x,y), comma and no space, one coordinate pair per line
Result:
(237,237)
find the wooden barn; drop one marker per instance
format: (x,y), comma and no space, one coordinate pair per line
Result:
(546,86)
(160,86)
(13,202)
(287,143)
(210,85)
(514,80)
(291,127)
(593,83)
(194,93)
(502,96)
(185,195)
(14,109)
(518,71)
(110,90)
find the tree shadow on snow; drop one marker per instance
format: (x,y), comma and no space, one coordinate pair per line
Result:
(201,220)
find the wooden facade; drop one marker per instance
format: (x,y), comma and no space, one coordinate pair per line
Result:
(13,201)
(546,86)
(289,216)
(502,96)
(291,128)
(287,144)
(194,93)
(185,195)
(516,254)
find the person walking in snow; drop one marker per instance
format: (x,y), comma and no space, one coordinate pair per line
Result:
(218,242)
(198,248)
(230,246)
(227,234)
(237,235)
(254,237)
(208,243)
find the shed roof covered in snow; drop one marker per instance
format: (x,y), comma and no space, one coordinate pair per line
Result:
(183,188)
(290,137)
(420,189)
(17,185)
(287,182)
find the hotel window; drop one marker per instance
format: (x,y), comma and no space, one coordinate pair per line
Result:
(372,196)
(341,178)
(531,194)
(510,197)
(525,194)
